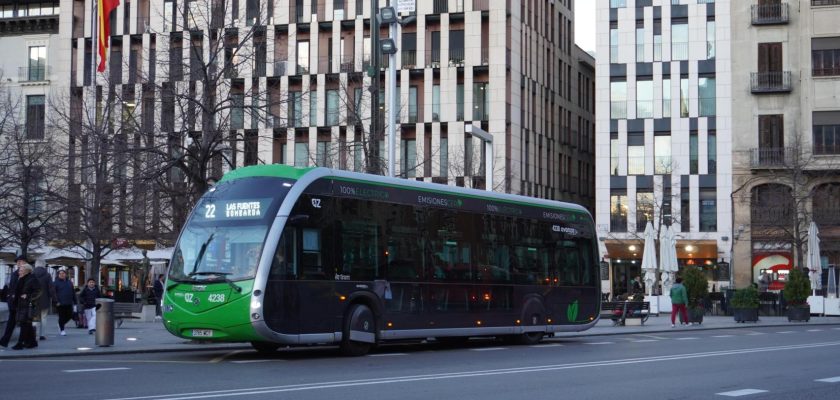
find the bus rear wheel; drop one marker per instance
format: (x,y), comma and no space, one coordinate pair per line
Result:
(530,338)
(265,347)
(359,333)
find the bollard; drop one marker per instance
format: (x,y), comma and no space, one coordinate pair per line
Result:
(104,322)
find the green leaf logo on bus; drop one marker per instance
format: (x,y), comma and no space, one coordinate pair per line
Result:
(572,311)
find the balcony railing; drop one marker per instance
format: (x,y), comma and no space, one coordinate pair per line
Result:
(825,3)
(281,67)
(770,157)
(33,74)
(618,109)
(347,64)
(827,216)
(409,58)
(770,14)
(771,215)
(827,149)
(441,6)
(456,57)
(770,82)
(433,59)
(485,55)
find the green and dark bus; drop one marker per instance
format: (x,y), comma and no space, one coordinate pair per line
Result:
(276,255)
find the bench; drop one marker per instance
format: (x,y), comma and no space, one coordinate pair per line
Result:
(620,311)
(126,311)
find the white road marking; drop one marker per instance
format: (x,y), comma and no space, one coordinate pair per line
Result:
(687,338)
(721,336)
(645,341)
(388,355)
(251,361)
(653,337)
(476,373)
(537,346)
(489,349)
(756,334)
(72,371)
(829,380)
(785,332)
(815,330)
(599,343)
(742,392)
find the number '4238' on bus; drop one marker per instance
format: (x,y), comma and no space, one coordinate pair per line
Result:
(276,255)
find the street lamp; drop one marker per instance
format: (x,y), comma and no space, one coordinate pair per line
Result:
(388,46)
(487,138)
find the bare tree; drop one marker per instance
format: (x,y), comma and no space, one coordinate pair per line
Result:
(212,103)
(783,211)
(30,211)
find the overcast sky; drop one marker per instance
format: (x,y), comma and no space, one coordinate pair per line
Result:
(585,24)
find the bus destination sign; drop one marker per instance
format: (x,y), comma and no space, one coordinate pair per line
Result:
(238,209)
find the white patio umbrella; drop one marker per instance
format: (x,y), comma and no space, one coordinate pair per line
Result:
(813,262)
(649,258)
(667,258)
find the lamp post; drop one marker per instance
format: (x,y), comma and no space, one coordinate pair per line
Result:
(487,138)
(388,15)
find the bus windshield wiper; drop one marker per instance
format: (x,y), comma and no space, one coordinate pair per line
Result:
(219,273)
(201,253)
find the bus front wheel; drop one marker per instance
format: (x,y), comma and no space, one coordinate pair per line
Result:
(265,347)
(359,333)
(530,338)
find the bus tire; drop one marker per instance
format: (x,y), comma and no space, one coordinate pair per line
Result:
(265,347)
(530,338)
(359,324)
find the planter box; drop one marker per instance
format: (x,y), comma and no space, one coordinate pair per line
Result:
(799,313)
(831,306)
(745,314)
(817,304)
(695,315)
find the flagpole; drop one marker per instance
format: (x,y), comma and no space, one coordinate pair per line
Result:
(94,43)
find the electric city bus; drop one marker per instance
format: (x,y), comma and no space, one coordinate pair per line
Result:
(276,255)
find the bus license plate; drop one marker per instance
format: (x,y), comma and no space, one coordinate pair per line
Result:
(202,333)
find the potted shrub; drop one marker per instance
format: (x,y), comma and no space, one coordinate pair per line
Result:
(698,290)
(797,290)
(745,304)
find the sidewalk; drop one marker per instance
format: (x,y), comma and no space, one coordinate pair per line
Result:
(148,337)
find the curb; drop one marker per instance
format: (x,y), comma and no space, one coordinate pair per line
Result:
(232,347)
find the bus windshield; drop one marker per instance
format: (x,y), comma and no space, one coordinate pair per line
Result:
(224,237)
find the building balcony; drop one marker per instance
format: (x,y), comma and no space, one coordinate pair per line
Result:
(409,58)
(34,74)
(21,25)
(770,14)
(770,82)
(770,157)
(771,215)
(819,3)
(827,216)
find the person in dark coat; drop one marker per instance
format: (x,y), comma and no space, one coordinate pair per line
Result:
(158,289)
(44,301)
(88,298)
(27,293)
(65,298)
(10,301)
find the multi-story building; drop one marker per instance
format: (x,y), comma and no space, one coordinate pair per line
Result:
(786,155)
(664,132)
(297,73)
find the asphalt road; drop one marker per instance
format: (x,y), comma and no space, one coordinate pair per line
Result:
(798,362)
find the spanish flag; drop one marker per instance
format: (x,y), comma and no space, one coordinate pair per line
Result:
(105,7)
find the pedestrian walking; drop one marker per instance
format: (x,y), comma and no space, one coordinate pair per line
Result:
(11,322)
(158,289)
(44,301)
(87,298)
(65,298)
(679,299)
(27,292)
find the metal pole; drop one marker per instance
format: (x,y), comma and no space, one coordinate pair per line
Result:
(373,163)
(94,48)
(392,104)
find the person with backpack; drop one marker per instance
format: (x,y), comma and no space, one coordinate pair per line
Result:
(88,298)
(65,298)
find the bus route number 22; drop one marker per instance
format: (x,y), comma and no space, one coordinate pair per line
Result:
(209,211)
